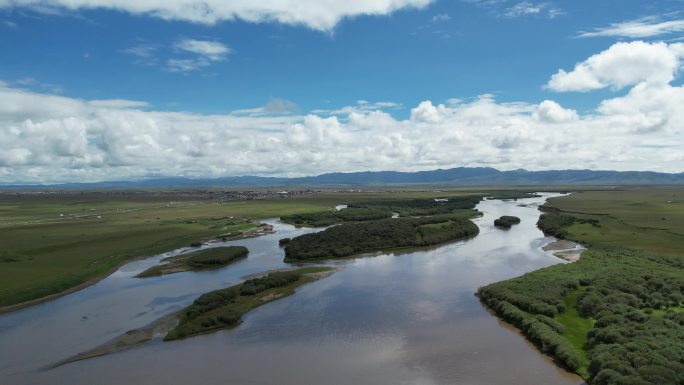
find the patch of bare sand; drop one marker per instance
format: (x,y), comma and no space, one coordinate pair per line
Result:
(570,255)
(560,244)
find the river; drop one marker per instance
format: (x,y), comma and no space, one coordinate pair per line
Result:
(394,318)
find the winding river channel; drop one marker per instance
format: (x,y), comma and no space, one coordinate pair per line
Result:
(397,318)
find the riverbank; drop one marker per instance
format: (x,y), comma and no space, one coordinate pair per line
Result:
(570,255)
(560,244)
(90,282)
(584,314)
(257,231)
(564,249)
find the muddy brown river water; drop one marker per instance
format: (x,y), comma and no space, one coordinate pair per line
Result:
(394,318)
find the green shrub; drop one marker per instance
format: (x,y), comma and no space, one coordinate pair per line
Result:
(223,308)
(554,224)
(629,342)
(506,221)
(216,257)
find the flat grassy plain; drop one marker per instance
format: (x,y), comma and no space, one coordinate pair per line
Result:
(53,242)
(649,219)
(50,247)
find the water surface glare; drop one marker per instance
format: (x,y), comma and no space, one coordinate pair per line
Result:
(398,318)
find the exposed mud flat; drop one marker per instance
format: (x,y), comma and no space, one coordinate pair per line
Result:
(570,255)
(567,250)
(128,340)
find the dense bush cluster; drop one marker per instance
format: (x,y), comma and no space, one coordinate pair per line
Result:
(512,194)
(368,211)
(327,218)
(506,221)
(543,331)
(349,239)
(554,223)
(257,285)
(216,257)
(223,308)
(635,299)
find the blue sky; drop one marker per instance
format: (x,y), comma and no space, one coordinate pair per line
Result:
(287,64)
(406,57)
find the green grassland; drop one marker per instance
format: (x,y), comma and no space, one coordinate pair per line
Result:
(58,241)
(620,305)
(645,219)
(50,247)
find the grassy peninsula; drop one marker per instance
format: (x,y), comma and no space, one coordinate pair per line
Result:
(221,309)
(617,315)
(206,259)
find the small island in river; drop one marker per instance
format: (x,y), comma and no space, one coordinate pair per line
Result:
(351,239)
(206,259)
(506,221)
(218,309)
(221,309)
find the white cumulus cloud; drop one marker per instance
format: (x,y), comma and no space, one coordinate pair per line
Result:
(51,138)
(622,65)
(316,14)
(48,138)
(552,112)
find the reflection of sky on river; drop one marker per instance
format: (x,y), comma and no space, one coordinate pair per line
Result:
(402,318)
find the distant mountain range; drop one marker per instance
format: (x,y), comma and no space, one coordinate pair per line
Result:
(462,176)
